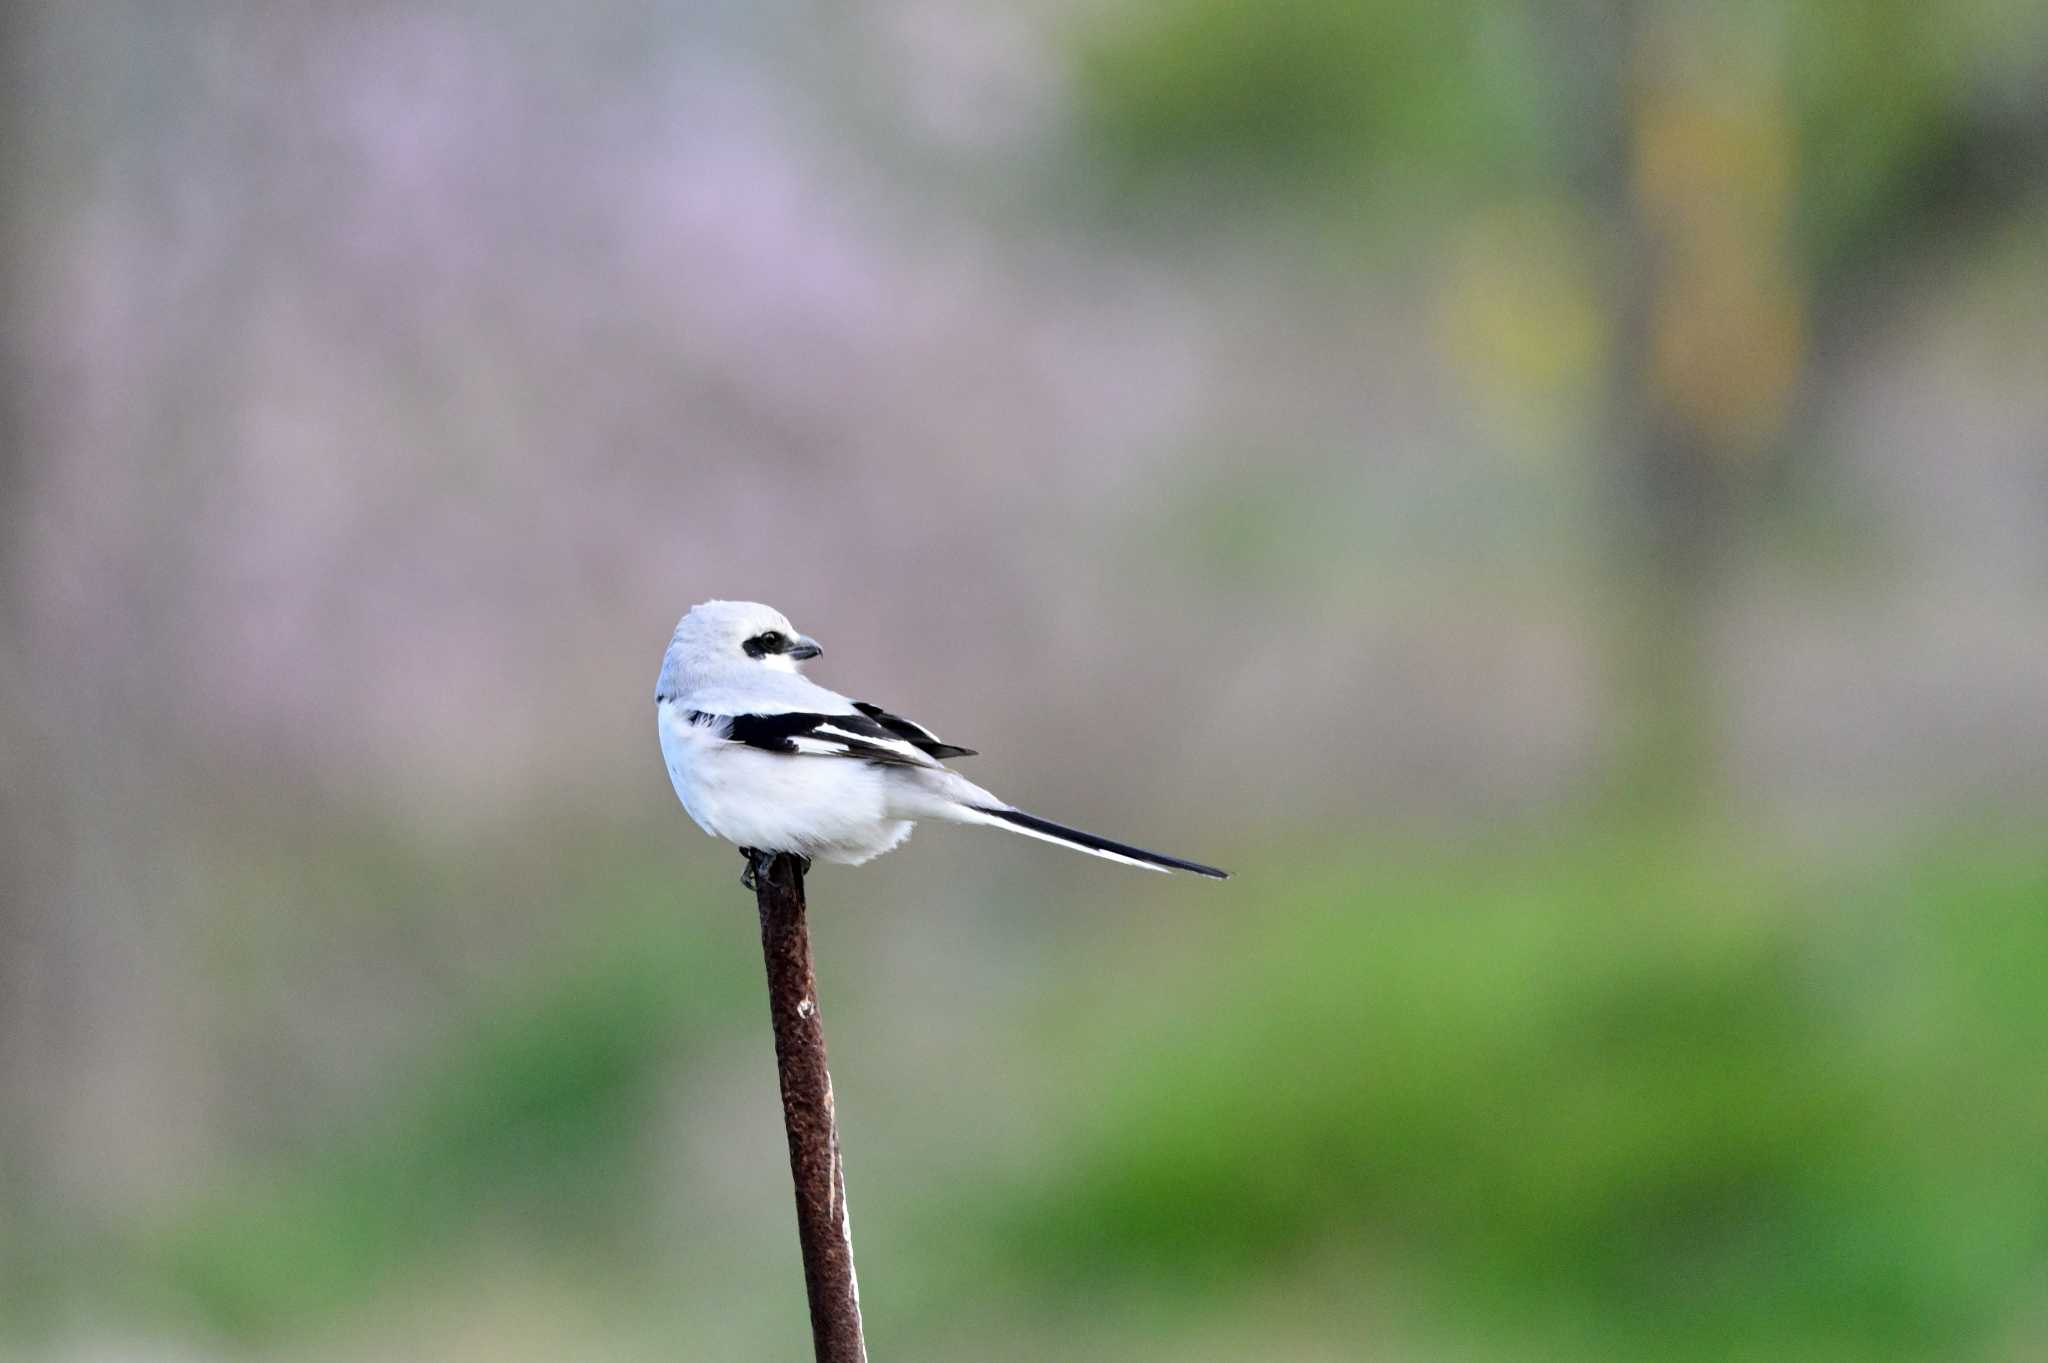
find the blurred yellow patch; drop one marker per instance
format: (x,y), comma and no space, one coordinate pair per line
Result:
(1719,152)
(1520,318)
(1714,173)
(1728,342)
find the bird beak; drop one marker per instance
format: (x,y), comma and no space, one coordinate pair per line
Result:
(804,647)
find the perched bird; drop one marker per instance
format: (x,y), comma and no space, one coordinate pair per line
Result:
(763,757)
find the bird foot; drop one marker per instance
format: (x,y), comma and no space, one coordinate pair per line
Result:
(758,863)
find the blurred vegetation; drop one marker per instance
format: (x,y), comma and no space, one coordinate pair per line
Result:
(534,1115)
(430,1031)
(1884,108)
(1667,1096)
(1648,226)
(1659,1092)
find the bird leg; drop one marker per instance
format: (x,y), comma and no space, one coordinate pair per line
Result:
(758,863)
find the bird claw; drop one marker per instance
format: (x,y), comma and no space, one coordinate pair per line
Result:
(758,864)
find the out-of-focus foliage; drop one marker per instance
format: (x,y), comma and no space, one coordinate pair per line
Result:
(533,1118)
(1551,494)
(1647,1091)
(1480,96)
(1670,1097)
(1315,89)
(1707,176)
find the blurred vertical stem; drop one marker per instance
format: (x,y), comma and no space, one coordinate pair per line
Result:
(1698,382)
(25,962)
(807,1113)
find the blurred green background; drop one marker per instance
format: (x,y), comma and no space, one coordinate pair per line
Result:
(1552,495)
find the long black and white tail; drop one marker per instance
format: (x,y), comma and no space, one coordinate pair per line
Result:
(1031,826)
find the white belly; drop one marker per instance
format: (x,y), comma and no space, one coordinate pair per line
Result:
(824,807)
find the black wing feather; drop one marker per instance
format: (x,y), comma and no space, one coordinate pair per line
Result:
(779,734)
(914,734)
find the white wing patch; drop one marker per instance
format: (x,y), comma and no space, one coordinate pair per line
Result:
(857,741)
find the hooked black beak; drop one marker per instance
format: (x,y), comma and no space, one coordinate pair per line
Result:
(802,647)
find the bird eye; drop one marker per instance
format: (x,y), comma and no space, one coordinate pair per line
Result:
(762,644)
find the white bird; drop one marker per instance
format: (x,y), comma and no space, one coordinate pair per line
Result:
(767,759)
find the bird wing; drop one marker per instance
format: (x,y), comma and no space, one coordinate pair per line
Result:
(798,733)
(916,735)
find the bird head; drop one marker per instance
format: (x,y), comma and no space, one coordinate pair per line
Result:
(717,636)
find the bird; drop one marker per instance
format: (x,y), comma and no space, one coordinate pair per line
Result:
(771,761)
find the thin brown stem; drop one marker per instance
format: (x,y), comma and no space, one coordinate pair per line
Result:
(807,1114)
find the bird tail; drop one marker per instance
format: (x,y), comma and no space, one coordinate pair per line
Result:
(1031,826)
